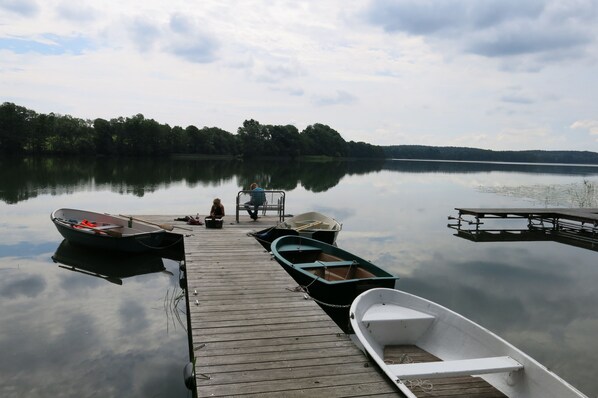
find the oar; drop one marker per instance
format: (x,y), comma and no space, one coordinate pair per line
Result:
(306,226)
(166,227)
(105,230)
(116,281)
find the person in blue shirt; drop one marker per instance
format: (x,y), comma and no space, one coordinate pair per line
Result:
(258,197)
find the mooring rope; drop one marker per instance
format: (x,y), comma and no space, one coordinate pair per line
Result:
(425,385)
(305,290)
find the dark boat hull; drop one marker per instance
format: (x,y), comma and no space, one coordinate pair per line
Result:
(331,276)
(126,236)
(269,235)
(311,225)
(132,244)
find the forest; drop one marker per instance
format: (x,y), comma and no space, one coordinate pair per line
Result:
(25,132)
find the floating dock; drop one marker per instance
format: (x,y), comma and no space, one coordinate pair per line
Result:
(572,226)
(253,333)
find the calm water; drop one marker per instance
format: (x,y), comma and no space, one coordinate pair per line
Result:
(70,334)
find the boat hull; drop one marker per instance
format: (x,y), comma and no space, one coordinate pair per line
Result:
(323,228)
(330,275)
(137,238)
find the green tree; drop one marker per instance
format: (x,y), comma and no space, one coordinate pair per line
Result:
(14,128)
(285,141)
(103,137)
(254,138)
(320,139)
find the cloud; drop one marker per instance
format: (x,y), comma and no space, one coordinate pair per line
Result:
(495,28)
(181,36)
(198,49)
(144,34)
(25,8)
(28,286)
(427,17)
(590,125)
(76,12)
(340,98)
(526,39)
(188,41)
(516,99)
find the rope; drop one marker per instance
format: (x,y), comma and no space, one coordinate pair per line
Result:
(425,385)
(304,289)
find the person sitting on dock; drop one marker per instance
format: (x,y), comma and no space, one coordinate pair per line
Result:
(217,210)
(258,197)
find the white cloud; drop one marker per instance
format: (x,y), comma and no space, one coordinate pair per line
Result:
(21,7)
(590,125)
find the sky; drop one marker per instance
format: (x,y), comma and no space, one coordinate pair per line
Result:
(492,74)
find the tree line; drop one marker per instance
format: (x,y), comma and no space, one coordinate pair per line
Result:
(486,155)
(26,132)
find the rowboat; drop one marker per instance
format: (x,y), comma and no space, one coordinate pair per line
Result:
(414,340)
(108,265)
(332,276)
(107,232)
(309,225)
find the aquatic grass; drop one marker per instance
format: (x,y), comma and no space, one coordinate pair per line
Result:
(582,195)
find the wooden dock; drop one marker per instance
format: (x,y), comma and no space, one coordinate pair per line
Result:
(253,335)
(571,226)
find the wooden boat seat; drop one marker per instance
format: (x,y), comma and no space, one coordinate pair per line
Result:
(294,248)
(461,367)
(388,318)
(320,263)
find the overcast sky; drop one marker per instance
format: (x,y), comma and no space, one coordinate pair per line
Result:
(496,74)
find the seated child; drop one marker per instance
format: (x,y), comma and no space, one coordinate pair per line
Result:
(217,210)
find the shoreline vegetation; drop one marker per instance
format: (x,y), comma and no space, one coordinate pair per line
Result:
(24,132)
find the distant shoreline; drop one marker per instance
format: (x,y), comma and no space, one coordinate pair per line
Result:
(498,162)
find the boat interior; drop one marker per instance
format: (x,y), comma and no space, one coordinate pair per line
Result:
(445,386)
(324,265)
(339,272)
(305,254)
(414,358)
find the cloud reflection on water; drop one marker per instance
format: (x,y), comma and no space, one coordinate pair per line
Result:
(104,339)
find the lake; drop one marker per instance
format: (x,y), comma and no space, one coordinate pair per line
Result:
(72,334)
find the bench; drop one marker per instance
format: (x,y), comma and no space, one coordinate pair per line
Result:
(275,201)
(296,249)
(459,367)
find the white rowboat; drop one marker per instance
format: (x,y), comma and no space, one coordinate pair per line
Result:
(387,319)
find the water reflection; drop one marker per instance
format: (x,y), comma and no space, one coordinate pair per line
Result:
(110,266)
(66,334)
(26,178)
